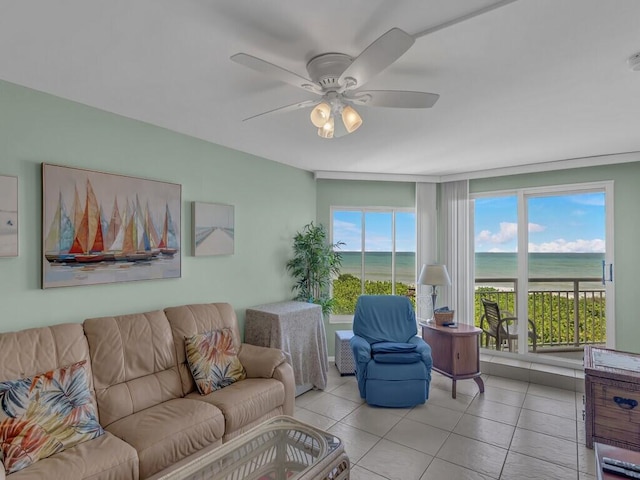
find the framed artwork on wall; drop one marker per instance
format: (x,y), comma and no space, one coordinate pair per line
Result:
(105,228)
(8,216)
(213,229)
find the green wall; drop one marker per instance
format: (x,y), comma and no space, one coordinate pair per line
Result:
(626,177)
(359,193)
(36,128)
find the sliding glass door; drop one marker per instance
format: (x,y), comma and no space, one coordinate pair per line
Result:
(541,255)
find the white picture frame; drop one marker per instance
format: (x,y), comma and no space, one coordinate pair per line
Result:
(213,229)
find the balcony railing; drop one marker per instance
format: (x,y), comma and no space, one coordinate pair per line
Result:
(568,312)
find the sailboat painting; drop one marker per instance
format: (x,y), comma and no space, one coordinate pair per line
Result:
(105,228)
(8,216)
(213,229)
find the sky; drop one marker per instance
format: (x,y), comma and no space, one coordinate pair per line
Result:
(347,228)
(572,223)
(557,224)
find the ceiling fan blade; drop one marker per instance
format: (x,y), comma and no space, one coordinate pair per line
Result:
(393,98)
(276,72)
(377,56)
(287,108)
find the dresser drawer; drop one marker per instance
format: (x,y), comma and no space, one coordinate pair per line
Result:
(617,412)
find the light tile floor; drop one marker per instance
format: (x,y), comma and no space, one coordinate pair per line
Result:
(515,430)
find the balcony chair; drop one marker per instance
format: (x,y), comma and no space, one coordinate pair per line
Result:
(503,328)
(393,364)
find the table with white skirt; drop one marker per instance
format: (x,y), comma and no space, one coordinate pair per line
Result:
(297,328)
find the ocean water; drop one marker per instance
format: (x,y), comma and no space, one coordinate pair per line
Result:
(378,265)
(542,265)
(487,265)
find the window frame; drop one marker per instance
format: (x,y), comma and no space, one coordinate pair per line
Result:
(523,194)
(347,319)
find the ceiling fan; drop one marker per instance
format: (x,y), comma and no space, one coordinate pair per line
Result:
(338,79)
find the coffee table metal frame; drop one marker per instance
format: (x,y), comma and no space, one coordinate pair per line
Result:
(282,448)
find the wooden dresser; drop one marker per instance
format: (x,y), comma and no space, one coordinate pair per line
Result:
(612,397)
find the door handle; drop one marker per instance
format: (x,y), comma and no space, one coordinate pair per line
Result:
(604,274)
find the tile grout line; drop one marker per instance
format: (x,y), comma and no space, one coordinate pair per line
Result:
(532,390)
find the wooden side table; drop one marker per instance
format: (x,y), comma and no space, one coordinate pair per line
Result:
(455,352)
(612,397)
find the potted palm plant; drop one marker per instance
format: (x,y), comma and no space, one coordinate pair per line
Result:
(314,263)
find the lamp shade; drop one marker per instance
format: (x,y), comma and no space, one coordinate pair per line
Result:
(320,114)
(434,275)
(351,119)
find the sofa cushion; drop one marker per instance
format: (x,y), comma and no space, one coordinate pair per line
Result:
(392,347)
(245,401)
(45,414)
(213,359)
(187,320)
(409,357)
(166,433)
(134,363)
(103,458)
(35,350)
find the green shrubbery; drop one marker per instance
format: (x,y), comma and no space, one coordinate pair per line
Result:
(347,289)
(552,313)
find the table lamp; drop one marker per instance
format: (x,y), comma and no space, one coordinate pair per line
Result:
(434,275)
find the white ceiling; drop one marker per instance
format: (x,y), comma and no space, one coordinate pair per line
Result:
(525,83)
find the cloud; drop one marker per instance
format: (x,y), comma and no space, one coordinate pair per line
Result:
(562,246)
(484,236)
(349,233)
(342,226)
(508,231)
(591,199)
(377,243)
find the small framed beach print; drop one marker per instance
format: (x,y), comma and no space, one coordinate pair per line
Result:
(8,216)
(213,229)
(106,228)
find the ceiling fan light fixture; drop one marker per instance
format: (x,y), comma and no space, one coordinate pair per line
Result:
(320,114)
(351,118)
(326,130)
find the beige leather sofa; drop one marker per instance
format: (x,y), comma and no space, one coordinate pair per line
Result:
(29,352)
(146,398)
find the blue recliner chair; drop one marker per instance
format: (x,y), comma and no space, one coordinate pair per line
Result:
(393,365)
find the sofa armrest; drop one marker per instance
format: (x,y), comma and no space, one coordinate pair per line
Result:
(260,362)
(284,373)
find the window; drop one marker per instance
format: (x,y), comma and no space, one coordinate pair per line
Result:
(379,255)
(540,254)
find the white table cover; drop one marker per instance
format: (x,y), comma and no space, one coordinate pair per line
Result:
(297,328)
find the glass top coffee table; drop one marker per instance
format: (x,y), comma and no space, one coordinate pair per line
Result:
(282,448)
